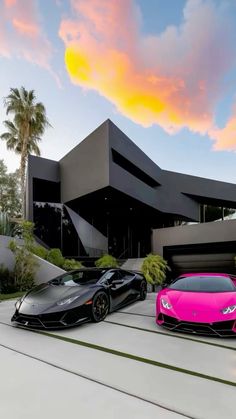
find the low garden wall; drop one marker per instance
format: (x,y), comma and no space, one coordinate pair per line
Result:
(45,270)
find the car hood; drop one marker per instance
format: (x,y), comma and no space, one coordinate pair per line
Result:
(47,293)
(45,297)
(198,307)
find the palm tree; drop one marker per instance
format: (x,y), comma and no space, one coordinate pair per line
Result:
(26,129)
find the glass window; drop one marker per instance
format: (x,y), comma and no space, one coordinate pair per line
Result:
(126,275)
(203,284)
(83,277)
(111,276)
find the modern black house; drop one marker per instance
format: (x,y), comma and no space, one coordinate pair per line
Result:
(106,195)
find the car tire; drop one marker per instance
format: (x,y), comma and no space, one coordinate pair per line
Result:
(100,307)
(143,291)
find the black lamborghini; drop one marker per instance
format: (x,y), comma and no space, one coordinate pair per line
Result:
(79,296)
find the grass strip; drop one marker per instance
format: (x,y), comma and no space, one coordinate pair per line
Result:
(11,296)
(137,358)
(172,335)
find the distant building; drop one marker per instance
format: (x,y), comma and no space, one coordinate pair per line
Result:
(106,195)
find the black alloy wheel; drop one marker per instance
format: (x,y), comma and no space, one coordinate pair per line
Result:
(143,291)
(100,307)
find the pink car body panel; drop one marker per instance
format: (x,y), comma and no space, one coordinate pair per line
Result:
(196,307)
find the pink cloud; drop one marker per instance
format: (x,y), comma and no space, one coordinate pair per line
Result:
(174,79)
(21,33)
(25,28)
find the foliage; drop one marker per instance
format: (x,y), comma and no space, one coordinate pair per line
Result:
(26,231)
(154,269)
(26,129)
(70,264)
(10,201)
(6,227)
(6,280)
(55,257)
(25,266)
(106,261)
(25,263)
(17,294)
(39,251)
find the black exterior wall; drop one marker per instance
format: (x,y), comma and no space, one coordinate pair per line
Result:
(107,195)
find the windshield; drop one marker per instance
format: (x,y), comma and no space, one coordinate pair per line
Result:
(203,284)
(71,279)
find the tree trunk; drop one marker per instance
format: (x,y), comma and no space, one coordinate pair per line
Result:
(25,139)
(22,184)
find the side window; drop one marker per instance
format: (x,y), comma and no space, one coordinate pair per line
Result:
(126,275)
(114,277)
(110,277)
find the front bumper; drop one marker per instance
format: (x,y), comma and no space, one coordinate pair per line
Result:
(56,320)
(218,329)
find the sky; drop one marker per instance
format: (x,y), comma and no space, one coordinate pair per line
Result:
(164,71)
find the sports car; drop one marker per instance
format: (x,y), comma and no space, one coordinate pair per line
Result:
(79,296)
(199,303)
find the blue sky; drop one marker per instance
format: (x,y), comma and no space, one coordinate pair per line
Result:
(76,106)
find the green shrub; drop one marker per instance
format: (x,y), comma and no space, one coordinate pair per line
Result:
(55,257)
(70,264)
(28,233)
(106,261)
(7,283)
(39,251)
(154,269)
(6,226)
(25,266)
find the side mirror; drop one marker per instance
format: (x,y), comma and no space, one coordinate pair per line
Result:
(54,282)
(117,282)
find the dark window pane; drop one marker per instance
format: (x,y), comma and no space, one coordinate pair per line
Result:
(81,277)
(46,191)
(134,170)
(203,284)
(47,219)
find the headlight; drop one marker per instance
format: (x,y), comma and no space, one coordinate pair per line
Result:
(18,303)
(67,301)
(228,310)
(165,304)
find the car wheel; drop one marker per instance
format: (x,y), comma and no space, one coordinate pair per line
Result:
(143,291)
(100,307)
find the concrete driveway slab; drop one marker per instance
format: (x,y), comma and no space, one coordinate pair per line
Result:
(133,382)
(32,389)
(184,354)
(187,395)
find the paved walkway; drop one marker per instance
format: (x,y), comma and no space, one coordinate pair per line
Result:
(125,367)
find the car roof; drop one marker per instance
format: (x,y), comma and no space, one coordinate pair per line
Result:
(91,268)
(205,274)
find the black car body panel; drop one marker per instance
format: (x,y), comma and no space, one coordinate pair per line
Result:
(56,304)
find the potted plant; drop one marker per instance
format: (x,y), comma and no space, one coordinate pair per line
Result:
(154,269)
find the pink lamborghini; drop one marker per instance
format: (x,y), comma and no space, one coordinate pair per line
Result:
(199,303)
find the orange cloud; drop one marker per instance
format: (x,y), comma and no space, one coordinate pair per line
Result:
(173,79)
(225,138)
(21,34)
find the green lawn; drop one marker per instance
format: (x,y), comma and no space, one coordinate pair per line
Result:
(10,296)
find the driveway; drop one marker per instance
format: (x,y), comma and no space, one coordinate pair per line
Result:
(124,367)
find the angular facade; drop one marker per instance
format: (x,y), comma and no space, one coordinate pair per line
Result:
(106,195)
